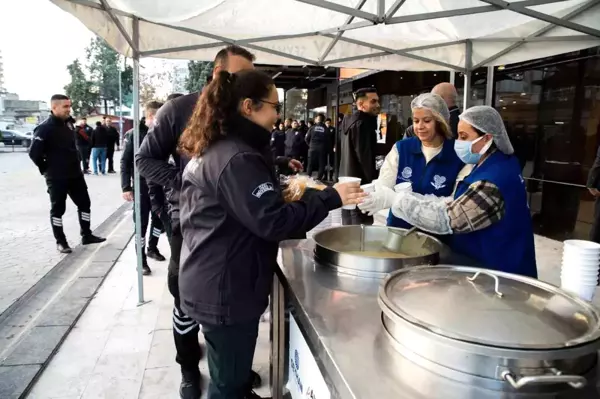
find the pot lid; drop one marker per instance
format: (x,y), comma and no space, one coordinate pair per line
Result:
(488,307)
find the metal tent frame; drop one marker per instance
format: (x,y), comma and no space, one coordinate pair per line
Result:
(336,34)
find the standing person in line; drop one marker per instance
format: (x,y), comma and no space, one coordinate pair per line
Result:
(448,92)
(233,216)
(153,162)
(83,140)
(294,143)
(99,143)
(330,149)
(113,140)
(55,154)
(278,141)
(317,140)
(358,141)
(127,159)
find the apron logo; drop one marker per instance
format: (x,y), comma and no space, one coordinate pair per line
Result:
(406,173)
(438,182)
(263,188)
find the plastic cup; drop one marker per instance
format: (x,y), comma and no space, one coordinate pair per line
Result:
(368,188)
(584,292)
(405,186)
(583,244)
(578,258)
(349,179)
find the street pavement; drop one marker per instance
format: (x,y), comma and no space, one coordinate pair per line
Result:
(27,247)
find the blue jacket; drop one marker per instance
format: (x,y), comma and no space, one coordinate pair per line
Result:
(506,245)
(437,177)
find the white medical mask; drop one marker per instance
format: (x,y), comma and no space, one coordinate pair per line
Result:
(464,150)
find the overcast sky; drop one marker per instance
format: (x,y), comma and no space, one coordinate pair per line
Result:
(37,42)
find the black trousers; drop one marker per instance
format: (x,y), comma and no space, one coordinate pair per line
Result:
(156,225)
(230,351)
(352,217)
(317,159)
(76,188)
(84,154)
(110,153)
(185,329)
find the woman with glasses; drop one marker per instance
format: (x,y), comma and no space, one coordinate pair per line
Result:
(233,216)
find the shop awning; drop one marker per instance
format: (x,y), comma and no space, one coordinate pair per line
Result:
(372,34)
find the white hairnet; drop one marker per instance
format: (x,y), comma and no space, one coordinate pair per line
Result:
(432,102)
(487,120)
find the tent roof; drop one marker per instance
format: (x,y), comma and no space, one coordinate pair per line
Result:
(373,34)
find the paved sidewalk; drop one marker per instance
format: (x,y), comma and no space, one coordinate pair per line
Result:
(28,248)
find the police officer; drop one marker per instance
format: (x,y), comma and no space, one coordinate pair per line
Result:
(113,140)
(233,216)
(156,226)
(54,153)
(153,162)
(278,141)
(330,148)
(318,141)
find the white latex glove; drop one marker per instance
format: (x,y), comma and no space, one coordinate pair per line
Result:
(383,198)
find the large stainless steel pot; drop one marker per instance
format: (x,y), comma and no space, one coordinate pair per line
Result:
(506,331)
(332,247)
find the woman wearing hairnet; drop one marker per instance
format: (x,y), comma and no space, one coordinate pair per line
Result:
(488,215)
(427,161)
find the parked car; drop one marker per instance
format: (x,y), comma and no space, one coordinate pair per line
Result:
(14,138)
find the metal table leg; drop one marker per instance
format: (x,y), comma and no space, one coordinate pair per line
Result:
(278,339)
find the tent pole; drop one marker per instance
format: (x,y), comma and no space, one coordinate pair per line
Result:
(489,88)
(136,173)
(468,65)
(338,126)
(452,77)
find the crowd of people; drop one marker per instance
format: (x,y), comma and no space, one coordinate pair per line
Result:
(97,145)
(209,164)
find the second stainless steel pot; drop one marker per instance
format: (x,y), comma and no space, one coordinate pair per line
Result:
(514,331)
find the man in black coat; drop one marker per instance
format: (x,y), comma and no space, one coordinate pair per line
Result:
(113,138)
(127,161)
(55,154)
(593,185)
(358,142)
(318,140)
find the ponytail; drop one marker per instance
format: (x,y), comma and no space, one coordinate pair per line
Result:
(218,105)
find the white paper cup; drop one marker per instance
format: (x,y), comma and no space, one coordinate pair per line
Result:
(405,186)
(582,245)
(584,292)
(574,251)
(580,258)
(349,179)
(368,188)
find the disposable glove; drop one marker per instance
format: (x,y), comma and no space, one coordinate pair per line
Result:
(383,198)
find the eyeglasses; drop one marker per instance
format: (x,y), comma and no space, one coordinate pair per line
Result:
(277,106)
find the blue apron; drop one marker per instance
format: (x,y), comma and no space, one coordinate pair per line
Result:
(436,177)
(507,245)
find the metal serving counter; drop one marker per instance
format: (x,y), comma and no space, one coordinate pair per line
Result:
(340,320)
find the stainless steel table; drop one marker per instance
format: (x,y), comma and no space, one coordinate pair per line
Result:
(340,320)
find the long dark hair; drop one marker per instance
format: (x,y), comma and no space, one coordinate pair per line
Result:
(218,106)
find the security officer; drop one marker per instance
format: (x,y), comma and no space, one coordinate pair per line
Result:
(233,215)
(153,163)
(156,226)
(318,142)
(54,153)
(113,140)
(330,148)
(278,141)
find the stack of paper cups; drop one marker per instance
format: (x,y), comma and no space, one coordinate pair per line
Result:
(580,264)
(348,179)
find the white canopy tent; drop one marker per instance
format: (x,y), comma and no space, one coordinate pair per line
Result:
(412,35)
